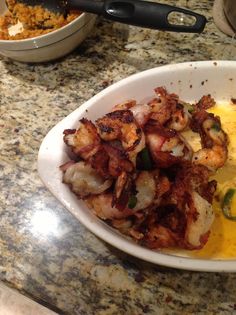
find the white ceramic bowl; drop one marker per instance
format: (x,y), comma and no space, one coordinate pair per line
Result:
(190,81)
(50,46)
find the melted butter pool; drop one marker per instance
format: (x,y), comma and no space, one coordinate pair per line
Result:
(222,240)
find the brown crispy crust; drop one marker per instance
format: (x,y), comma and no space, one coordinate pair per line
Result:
(165,222)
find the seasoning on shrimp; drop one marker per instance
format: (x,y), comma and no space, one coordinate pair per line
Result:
(135,170)
(214,140)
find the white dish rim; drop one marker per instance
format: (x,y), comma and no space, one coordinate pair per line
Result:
(49,38)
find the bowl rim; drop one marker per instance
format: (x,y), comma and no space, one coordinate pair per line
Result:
(49,38)
(164,259)
(60,40)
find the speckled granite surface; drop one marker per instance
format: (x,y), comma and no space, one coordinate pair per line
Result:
(14,303)
(65,266)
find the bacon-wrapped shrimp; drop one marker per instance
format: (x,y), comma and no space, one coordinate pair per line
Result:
(165,108)
(214,140)
(102,206)
(83,179)
(120,124)
(180,229)
(163,105)
(83,141)
(180,119)
(111,160)
(137,172)
(184,216)
(192,193)
(198,226)
(167,147)
(141,197)
(141,112)
(137,193)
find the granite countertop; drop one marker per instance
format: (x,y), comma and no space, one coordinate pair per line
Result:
(63,265)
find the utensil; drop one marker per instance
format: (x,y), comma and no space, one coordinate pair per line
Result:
(135,12)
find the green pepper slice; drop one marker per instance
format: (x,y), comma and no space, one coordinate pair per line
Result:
(190,108)
(216,127)
(132,201)
(227,203)
(146,160)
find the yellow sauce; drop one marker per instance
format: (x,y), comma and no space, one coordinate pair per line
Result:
(222,240)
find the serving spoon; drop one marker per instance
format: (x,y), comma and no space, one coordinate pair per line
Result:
(134,12)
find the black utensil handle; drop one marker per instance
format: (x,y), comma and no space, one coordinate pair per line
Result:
(141,13)
(151,15)
(91,6)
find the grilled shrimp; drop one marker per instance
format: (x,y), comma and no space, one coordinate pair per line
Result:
(198,226)
(166,109)
(192,193)
(214,141)
(145,185)
(122,190)
(158,236)
(103,204)
(120,124)
(142,189)
(179,119)
(104,209)
(186,229)
(205,102)
(141,112)
(140,174)
(125,105)
(213,158)
(163,105)
(184,216)
(84,141)
(111,160)
(166,146)
(83,179)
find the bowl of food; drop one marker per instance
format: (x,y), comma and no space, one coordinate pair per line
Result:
(33,34)
(148,165)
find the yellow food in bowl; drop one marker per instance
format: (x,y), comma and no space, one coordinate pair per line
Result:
(21,21)
(222,240)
